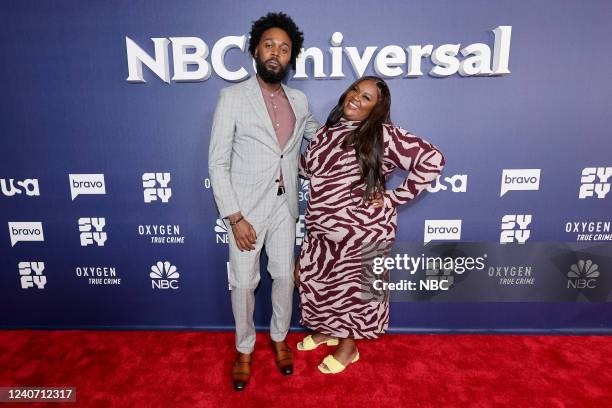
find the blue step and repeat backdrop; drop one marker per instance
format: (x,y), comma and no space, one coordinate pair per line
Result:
(106,213)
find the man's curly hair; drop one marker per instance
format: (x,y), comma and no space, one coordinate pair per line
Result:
(285,23)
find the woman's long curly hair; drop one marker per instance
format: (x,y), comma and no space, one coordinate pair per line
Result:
(367,139)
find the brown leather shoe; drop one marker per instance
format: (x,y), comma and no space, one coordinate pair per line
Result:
(241,371)
(284,357)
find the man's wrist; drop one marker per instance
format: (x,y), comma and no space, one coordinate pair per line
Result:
(234,217)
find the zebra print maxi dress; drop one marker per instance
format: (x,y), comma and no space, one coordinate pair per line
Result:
(338,223)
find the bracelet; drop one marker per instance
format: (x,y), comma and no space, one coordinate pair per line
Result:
(237,221)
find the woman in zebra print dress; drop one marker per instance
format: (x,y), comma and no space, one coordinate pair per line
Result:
(347,163)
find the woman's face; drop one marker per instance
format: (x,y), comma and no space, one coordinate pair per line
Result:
(360,100)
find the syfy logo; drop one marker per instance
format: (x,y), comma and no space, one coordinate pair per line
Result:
(389,61)
(27,186)
(164,275)
(442,230)
(594,181)
(31,275)
(582,275)
(86,184)
(514,228)
(156,186)
(520,180)
(300,230)
(25,231)
(458,184)
(91,231)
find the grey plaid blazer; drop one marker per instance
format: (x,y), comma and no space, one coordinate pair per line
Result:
(244,157)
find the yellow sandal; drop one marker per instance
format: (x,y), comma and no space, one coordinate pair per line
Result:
(333,365)
(308,343)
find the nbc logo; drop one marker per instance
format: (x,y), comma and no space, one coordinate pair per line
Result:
(91,231)
(27,186)
(156,187)
(458,184)
(164,275)
(519,180)
(594,182)
(304,193)
(25,231)
(86,184)
(514,228)
(221,232)
(31,274)
(583,274)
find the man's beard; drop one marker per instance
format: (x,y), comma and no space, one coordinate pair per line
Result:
(268,76)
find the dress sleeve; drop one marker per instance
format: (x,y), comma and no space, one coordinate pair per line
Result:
(421,159)
(305,163)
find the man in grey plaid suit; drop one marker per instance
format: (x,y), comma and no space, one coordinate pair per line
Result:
(256,136)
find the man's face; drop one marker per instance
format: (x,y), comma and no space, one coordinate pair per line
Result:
(272,55)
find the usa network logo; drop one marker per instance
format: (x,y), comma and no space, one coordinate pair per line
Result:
(156,187)
(594,182)
(457,184)
(29,187)
(514,228)
(164,275)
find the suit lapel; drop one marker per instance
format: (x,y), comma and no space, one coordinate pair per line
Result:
(295,113)
(257,101)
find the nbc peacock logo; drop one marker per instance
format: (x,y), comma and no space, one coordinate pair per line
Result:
(221,232)
(164,275)
(583,274)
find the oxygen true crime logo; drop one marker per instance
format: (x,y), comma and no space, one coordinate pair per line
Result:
(389,61)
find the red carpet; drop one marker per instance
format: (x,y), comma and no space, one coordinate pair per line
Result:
(192,369)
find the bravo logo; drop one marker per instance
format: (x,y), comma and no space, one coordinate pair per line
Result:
(442,230)
(156,186)
(594,181)
(509,231)
(29,187)
(520,180)
(25,231)
(31,275)
(164,276)
(86,184)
